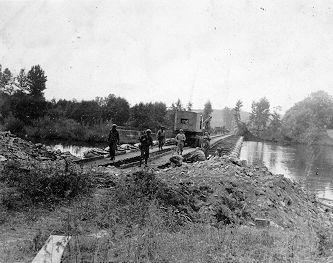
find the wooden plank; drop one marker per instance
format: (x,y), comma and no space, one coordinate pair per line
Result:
(52,250)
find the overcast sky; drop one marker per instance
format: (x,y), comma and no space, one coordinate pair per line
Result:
(155,50)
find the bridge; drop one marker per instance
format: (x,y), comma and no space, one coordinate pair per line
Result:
(225,142)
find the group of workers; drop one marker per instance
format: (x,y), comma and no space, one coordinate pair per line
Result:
(146,141)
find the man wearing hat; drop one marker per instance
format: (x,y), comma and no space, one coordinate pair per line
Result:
(180,138)
(161,137)
(113,140)
(205,144)
(146,140)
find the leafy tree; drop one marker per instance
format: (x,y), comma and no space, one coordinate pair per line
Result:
(177,106)
(87,112)
(6,81)
(237,110)
(27,108)
(115,109)
(189,106)
(61,109)
(208,110)
(22,80)
(90,112)
(273,131)
(31,105)
(36,80)
(158,111)
(307,119)
(259,117)
(228,117)
(276,122)
(148,115)
(140,116)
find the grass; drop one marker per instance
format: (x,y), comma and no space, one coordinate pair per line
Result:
(67,129)
(197,243)
(141,219)
(30,185)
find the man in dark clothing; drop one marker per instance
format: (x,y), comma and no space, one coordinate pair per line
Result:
(205,145)
(146,140)
(113,141)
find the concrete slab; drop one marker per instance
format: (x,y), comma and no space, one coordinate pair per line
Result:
(52,250)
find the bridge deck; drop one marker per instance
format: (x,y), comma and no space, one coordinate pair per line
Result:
(134,156)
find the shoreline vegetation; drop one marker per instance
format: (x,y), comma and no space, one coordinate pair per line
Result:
(219,210)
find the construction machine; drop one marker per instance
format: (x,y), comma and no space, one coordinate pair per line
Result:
(193,125)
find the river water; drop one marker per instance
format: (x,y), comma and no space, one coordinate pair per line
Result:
(311,166)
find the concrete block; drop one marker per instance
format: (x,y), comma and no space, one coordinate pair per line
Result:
(52,250)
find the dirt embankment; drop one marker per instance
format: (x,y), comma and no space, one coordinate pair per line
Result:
(229,191)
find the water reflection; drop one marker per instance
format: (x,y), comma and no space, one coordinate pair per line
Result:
(312,166)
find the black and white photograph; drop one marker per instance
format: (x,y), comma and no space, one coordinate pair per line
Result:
(166,131)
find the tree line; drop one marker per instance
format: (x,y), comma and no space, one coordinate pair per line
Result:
(24,110)
(305,122)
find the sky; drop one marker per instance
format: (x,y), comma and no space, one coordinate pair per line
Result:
(162,50)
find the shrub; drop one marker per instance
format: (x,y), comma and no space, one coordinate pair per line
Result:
(14,125)
(45,185)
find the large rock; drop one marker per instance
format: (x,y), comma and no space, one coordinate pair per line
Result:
(197,156)
(176,160)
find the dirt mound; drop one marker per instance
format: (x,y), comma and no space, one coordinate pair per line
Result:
(228,191)
(13,148)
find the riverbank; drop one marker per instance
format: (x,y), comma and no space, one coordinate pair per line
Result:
(324,137)
(211,211)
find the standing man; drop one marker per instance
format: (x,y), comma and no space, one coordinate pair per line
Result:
(180,138)
(113,140)
(146,140)
(205,144)
(161,138)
